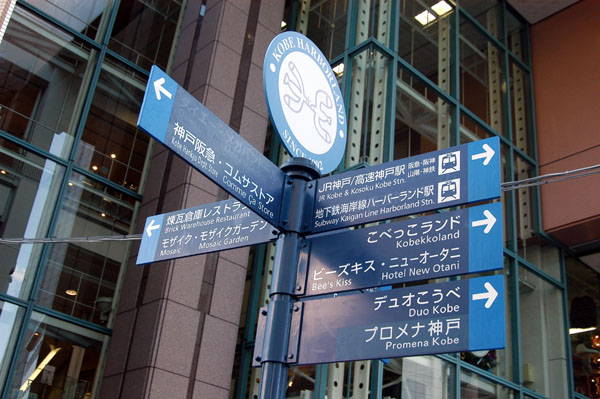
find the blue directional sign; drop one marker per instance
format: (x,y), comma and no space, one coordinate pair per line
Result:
(465,315)
(445,178)
(176,119)
(208,228)
(440,245)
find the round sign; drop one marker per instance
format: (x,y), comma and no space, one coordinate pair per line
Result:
(304,100)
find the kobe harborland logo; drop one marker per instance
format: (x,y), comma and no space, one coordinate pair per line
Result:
(305,101)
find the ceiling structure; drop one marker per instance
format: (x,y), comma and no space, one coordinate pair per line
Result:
(536,10)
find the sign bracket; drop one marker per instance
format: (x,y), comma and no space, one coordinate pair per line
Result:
(280,326)
(295,328)
(301,274)
(259,337)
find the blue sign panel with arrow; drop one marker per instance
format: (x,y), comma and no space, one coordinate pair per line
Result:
(208,228)
(464,315)
(176,119)
(450,177)
(434,246)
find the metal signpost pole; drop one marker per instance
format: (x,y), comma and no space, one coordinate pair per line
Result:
(275,356)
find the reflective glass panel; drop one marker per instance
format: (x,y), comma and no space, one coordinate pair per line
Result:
(41,73)
(480,76)
(474,386)
(583,288)
(144,31)
(487,12)
(543,351)
(366,110)
(521,115)
(424,38)
(29,187)
(517,38)
(80,278)
(506,198)
(423,119)
(324,22)
(11,317)
(471,130)
(112,146)
(301,381)
(83,16)
(425,377)
(525,201)
(542,255)
(57,360)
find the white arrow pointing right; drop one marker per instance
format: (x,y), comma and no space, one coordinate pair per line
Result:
(488,222)
(487,154)
(158,88)
(490,295)
(151,227)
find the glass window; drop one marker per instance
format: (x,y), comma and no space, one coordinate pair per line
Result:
(517,38)
(423,119)
(112,146)
(11,317)
(300,381)
(470,130)
(324,22)
(487,12)
(425,377)
(80,278)
(542,255)
(424,38)
(144,31)
(366,110)
(83,16)
(57,360)
(481,76)
(543,351)
(42,70)
(506,198)
(29,188)
(525,201)
(583,288)
(521,117)
(474,386)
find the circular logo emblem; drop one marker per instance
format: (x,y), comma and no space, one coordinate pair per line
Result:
(304,100)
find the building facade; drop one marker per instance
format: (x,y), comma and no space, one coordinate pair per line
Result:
(78,318)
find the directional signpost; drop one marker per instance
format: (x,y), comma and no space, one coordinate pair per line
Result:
(176,119)
(429,247)
(440,179)
(208,228)
(300,210)
(465,315)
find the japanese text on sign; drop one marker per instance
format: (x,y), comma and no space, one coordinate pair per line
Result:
(431,246)
(436,318)
(404,186)
(213,227)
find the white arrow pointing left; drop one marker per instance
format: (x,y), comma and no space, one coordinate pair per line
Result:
(158,88)
(487,154)
(151,227)
(490,295)
(488,222)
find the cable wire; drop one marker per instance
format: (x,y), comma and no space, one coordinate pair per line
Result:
(507,186)
(55,240)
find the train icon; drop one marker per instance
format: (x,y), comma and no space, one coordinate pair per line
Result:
(449,163)
(449,190)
